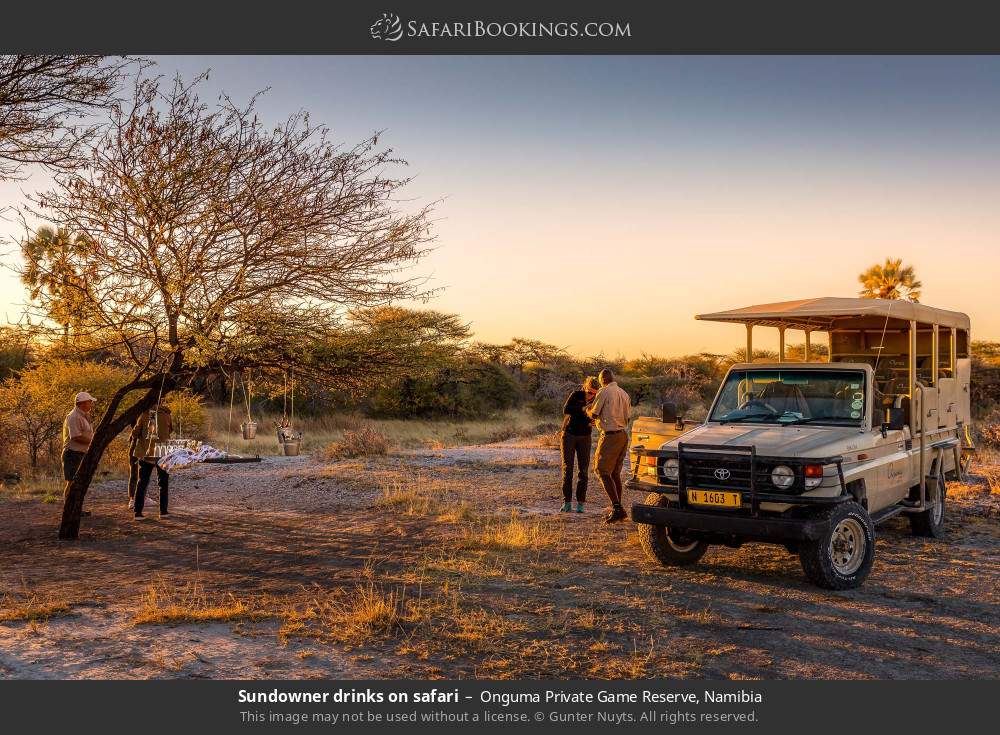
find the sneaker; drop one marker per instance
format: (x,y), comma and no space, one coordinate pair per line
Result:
(566,508)
(131,504)
(164,514)
(140,517)
(579,507)
(615,515)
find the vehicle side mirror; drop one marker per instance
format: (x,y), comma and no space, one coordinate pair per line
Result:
(669,413)
(895,420)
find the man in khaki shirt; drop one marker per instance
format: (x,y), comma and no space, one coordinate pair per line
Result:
(78,432)
(611,410)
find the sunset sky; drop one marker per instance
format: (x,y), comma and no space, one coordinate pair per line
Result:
(598,203)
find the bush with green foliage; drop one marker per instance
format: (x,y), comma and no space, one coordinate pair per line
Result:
(34,403)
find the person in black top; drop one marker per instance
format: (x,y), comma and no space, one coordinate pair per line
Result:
(575,444)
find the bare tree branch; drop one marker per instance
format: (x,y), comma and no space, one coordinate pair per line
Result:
(48,105)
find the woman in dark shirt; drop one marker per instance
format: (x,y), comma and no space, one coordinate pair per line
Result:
(575,444)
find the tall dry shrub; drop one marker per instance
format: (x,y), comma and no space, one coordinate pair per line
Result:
(34,403)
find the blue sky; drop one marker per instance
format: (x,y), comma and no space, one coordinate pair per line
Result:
(599,202)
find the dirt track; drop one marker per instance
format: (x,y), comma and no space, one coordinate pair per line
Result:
(579,601)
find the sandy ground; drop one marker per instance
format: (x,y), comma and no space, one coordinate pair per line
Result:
(576,599)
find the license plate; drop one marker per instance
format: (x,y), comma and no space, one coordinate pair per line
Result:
(714,497)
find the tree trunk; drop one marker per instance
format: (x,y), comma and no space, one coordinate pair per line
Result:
(107,430)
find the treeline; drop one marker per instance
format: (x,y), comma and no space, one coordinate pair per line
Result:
(483,379)
(466,381)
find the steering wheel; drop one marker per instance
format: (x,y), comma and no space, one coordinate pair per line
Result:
(758,403)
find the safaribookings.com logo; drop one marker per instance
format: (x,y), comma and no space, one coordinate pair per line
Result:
(387,28)
(390,28)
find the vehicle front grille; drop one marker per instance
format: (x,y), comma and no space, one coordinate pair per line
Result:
(701,472)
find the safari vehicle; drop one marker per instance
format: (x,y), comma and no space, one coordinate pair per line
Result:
(812,455)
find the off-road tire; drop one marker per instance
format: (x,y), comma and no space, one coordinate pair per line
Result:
(930,522)
(852,530)
(658,545)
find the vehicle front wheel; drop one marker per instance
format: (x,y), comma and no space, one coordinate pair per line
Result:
(842,558)
(669,547)
(930,522)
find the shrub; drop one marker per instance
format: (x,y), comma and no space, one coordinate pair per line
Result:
(989,432)
(188,415)
(34,404)
(365,442)
(502,434)
(546,407)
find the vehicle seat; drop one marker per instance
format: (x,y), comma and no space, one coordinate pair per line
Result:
(903,402)
(784,398)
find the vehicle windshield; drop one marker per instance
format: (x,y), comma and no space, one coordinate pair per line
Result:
(793,396)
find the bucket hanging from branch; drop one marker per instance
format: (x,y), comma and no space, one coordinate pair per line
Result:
(288,437)
(248,427)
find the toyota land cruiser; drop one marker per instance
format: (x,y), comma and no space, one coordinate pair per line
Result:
(812,455)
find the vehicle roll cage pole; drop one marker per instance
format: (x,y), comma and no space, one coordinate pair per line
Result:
(749,341)
(912,379)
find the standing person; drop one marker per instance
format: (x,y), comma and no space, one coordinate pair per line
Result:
(77,433)
(575,444)
(611,411)
(133,461)
(150,428)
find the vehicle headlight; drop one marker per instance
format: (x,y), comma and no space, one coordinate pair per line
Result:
(672,469)
(782,476)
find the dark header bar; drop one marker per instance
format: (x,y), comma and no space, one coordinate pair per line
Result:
(515,27)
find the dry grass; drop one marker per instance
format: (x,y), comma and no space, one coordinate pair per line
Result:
(359,616)
(321,431)
(365,442)
(987,466)
(39,487)
(424,497)
(30,608)
(166,605)
(516,533)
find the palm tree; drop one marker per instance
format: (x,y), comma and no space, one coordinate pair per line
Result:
(892,280)
(61,280)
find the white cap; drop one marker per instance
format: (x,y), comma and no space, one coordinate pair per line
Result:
(84,396)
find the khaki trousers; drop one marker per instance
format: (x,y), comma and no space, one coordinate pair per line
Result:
(611,451)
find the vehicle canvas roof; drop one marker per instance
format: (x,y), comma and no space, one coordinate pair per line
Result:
(824,312)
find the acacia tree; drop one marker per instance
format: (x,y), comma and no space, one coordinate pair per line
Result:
(45,101)
(217,245)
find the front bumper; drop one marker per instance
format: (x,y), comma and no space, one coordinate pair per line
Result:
(726,524)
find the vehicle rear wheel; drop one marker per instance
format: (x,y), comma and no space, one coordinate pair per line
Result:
(669,547)
(842,558)
(930,522)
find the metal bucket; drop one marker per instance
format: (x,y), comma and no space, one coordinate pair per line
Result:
(249,429)
(291,449)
